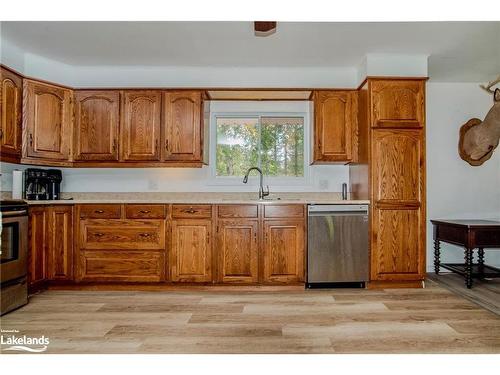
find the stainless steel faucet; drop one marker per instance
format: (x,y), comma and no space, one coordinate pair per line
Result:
(262,193)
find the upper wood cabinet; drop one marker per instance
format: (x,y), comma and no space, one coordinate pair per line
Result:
(47,121)
(10,113)
(183,126)
(191,251)
(398,103)
(238,247)
(96,125)
(284,250)
(140,126)
(335,126)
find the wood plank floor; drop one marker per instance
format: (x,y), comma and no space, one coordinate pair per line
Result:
(483,292)
(431,320)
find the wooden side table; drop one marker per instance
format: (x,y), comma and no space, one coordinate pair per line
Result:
(470,234)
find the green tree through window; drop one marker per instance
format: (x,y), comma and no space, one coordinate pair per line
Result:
(275,144)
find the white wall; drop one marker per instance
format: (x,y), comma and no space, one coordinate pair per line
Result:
(454,188)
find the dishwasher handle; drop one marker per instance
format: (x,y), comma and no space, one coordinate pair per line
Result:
(329,209)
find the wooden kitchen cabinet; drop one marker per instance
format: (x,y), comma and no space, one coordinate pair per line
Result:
(284,250)
(183,126)
(335,126)
(38,247)
(60,243)
(11,98)
(397,103)
(97,116)
(47,121)
(50,244)
(140,131)
(238,248)
(191,250)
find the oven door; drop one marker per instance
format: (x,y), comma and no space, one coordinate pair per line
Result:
(14,263)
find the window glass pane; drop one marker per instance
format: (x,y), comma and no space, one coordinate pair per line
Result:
(237,145)
(283,146)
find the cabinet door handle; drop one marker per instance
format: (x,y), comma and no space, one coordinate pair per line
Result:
(98,234)
(144,211)
(114,146)
(166,144)
(99,211)
(144,234)
(31,140)
(1,133)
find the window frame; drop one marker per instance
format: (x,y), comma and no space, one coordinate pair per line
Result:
(253,178)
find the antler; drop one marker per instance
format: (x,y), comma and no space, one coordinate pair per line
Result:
(490,85)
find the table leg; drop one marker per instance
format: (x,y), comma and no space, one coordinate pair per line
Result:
(468,267)
(480,261)
(436,256)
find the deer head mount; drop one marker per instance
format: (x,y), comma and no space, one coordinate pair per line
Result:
(478,139)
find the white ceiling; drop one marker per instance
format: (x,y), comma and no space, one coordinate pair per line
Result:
(459,51)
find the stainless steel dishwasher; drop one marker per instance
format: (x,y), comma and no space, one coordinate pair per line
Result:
(337,245)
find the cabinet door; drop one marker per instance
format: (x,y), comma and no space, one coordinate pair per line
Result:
(10,113)
(60,243)
(38,244)
(140,126)
(183,126)
(398,213)
(47,117)
(238,250)
(284,250)
(96,125)
(334,125)
(398,103)
(191,252)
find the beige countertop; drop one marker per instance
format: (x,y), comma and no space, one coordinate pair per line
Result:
(198,198)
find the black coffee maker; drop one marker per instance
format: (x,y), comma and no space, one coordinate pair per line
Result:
(42,184)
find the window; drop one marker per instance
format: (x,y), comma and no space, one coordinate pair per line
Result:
(273,143)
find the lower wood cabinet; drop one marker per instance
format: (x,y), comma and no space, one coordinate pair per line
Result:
(284,250)
(191,250)
(238,249)
(50,244)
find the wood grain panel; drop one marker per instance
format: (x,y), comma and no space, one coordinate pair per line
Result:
(397,245)
(145,211)
(100,211)
(96,125)
(238,210)
(238,246)
(140,125)
(191,252)
(60,243)
(120,265)
(38,245)
(183,125)
(397,172)
(334,126)
(47,115)
(284,210)
(122,234)
(398,103)
(284,250)
(10,113)
(189,211)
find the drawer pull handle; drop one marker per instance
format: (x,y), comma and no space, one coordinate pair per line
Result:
(144,234)
(144,211)
(99,211)
(98,234)
(190,211)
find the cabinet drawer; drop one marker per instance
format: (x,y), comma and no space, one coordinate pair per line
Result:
(123,234)
(238,210)
(140,211)
(100,211)
(284,211)
(186,211)
(107,265)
